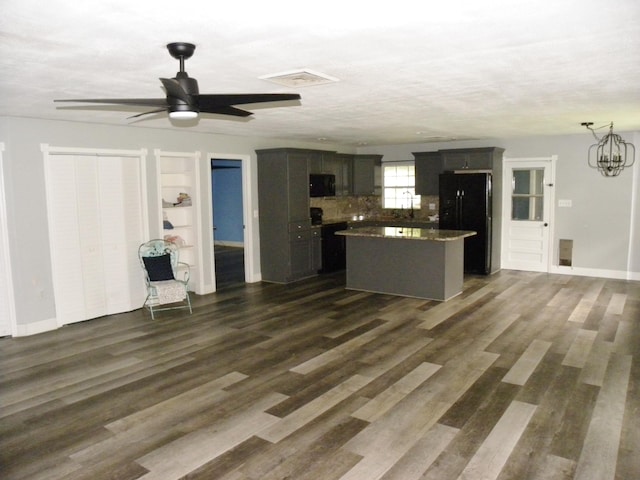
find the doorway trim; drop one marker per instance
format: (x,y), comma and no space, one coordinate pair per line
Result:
(550,188)
(9,326)
(248,207)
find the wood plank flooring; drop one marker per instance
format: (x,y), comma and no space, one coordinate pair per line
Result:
(229,263)
(523,376)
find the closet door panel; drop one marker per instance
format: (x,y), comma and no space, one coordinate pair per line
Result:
(112,212)
(64,231)
(121,219)
(90,236)
(133,230)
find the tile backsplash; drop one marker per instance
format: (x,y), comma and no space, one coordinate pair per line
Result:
(370,206)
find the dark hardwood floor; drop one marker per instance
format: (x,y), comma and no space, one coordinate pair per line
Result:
(523,376)
(229,266)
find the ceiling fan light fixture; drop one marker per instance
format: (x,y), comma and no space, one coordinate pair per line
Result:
(183,115)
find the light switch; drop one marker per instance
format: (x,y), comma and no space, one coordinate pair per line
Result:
(565,203)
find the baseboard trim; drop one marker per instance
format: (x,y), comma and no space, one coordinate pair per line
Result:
(595,272)
(36,327)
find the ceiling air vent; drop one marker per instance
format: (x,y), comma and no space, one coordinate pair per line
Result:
(299,78)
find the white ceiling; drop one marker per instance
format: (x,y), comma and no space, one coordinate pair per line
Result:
(408,71)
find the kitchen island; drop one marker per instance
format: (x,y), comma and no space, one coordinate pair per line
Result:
(414,262)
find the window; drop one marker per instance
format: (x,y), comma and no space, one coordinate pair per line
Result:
(527,196)
(399,185)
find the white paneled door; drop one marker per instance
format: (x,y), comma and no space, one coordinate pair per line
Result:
(528,196)
(97,220)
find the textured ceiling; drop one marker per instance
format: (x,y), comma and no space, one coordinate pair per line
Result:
(408,71)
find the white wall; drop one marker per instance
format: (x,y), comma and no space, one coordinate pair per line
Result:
(604,221)
(26,203)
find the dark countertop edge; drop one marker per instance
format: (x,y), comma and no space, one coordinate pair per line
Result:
(429,234)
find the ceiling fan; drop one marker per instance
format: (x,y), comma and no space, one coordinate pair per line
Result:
(184,101)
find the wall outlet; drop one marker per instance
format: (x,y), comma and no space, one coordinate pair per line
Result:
(564,203)
(432,206)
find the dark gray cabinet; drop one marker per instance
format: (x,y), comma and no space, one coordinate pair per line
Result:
(338,164)
(288,248)
(316,249)
(471,158)
(366,175)
(341,165)
(428,168)
(429,165)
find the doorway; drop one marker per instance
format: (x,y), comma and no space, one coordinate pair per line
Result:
(528,200)
(228,221)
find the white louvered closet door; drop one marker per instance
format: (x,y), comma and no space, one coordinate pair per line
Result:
(121,210)
(65,239)
(96,223)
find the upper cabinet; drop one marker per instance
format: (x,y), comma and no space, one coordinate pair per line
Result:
(367,175)
(429,165)
(341,165)
(338,164)
(180,207)
(470,158)
(428,168)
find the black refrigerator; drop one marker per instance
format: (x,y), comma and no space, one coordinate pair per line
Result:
(465,204)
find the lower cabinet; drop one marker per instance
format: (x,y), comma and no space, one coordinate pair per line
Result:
(303,260)
(300,255)
(316,249)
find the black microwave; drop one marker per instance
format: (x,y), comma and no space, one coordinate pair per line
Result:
(322,185)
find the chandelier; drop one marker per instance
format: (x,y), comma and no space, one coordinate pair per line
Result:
(611,154)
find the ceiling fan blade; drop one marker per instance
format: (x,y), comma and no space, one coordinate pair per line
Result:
(148,113)
(226,110)
(141,102)
(219,100)
(183,99)
(174,89)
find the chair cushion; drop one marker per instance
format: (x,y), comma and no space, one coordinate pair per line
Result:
(159,268)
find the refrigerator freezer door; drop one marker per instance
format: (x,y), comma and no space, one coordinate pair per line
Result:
(475,214)
(448,213)
(465,204)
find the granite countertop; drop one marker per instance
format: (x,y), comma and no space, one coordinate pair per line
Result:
(410,233)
